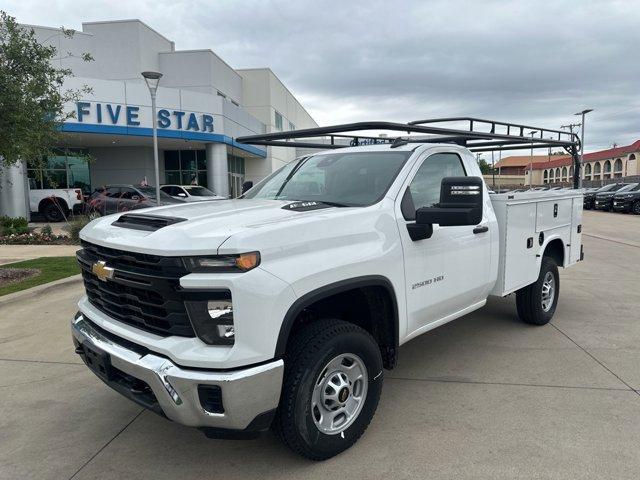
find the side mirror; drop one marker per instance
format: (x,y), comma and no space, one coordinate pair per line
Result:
(246,186)
(460,203)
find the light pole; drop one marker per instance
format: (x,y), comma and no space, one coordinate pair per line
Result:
(532,133)
(582,113)
(153,79)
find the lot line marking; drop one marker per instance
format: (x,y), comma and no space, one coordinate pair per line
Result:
(107,444)
(39,361)
(479,382)
(608,239)
(596,359)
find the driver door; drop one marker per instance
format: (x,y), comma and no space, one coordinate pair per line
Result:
(449,272)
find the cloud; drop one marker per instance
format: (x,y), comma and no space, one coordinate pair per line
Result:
(523,61)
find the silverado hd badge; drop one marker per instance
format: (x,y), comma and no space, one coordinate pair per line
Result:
(101,271)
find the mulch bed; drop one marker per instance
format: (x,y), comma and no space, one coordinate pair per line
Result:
(12,275)
(36,239)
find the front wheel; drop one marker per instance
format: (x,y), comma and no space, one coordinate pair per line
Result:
(331,388)
(635,208)
(536,303)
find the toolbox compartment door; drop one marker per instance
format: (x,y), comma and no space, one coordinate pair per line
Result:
(553,214)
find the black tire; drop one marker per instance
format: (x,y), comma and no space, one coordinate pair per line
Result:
(308,353)
(529,301)
(53,212)
(635,209)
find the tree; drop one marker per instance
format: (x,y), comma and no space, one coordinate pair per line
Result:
(485,168)
(32,97)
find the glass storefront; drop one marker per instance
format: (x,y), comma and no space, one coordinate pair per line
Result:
(185,167)
(188,167)
(65,169)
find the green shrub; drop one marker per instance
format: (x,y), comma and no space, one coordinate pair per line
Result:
(46,230)
(75,226)
(13,226)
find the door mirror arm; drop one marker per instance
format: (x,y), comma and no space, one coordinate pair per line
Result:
(419,231)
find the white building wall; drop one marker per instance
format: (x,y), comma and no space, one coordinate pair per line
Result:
(208,73)
(122,165)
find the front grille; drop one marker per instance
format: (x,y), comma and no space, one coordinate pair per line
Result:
(144,292)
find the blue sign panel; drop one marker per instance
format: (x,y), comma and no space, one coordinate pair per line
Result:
(107,113)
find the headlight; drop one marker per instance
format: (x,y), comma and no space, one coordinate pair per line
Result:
(223,263)
(212,319)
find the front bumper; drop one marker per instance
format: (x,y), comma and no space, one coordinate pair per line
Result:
(248,395)
(603,204)
(622,205)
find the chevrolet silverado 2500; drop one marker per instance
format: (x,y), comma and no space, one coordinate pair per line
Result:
(282,308)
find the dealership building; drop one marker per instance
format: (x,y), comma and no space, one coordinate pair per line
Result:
(203,105)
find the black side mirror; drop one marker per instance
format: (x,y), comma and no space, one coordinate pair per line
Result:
(460,203)
(246,186)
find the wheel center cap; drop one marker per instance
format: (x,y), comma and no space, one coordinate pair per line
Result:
(343,394)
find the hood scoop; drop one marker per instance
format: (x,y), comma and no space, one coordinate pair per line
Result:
(149,223)
(305,206)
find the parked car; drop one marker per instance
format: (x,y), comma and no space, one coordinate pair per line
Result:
(190,193)
(590,197)
(283,307)
(604,200)
(627,200)
(122,198)
(55,204)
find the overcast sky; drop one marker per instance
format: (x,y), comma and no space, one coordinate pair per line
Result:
(535,62)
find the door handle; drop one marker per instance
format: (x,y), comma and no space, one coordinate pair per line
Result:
(481,229)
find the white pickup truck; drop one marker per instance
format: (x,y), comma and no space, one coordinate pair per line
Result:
(55,204)
(282,308)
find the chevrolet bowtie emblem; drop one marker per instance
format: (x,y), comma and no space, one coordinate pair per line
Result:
(101,271)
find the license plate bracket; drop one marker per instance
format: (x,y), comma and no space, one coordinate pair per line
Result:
(98,361)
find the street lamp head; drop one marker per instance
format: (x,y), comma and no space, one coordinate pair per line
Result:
(584,112)
(152,79)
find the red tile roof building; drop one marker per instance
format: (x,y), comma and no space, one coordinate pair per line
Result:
(606,164)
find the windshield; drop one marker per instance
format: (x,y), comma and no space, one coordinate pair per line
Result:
(198,191)
(627,188)
(612,187)
(346,179)
(151,193)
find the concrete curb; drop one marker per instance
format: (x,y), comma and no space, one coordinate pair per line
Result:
(40,289)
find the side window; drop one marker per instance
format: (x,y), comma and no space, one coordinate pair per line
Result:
(113,192)
(128,194)
(425,186)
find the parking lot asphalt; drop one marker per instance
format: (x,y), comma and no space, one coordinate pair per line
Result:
(485,396)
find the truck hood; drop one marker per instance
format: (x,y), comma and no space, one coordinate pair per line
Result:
(204,226)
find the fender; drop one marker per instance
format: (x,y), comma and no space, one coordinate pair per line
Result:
(328,290)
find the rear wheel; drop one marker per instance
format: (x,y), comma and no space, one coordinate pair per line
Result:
(331,388)
(536,303)
(53,212)
(636,207)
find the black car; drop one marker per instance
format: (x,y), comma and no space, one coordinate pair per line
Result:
(627,200)
(122,198)
(604,200)
(589,201)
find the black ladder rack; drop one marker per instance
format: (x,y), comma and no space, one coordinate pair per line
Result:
(476,134)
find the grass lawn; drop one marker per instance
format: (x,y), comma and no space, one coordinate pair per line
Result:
(51,268)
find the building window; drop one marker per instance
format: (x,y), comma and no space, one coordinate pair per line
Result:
(564,174)
(291,126)
(596,171)
(278,121)
(617,168)
(558,174)
(235,166)
(185,167)
(607,169)
(546,177)
(632,156)
(587,171)
(66,169)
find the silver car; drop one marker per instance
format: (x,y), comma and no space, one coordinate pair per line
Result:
(190,193)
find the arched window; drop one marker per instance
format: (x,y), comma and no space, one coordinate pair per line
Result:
(564,174)
(558,174)
(596,170)
(607,169)
(587,171)
(545,176)
(632,156)
(617,168)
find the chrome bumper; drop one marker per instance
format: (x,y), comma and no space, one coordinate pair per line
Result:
(245,393)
